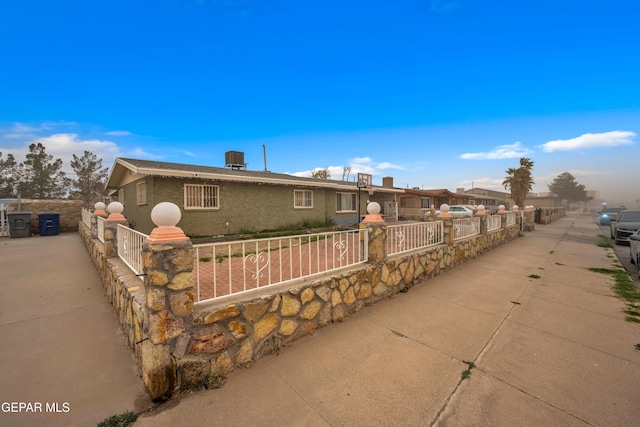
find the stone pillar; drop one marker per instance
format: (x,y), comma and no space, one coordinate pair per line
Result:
(98,212)
(516,210)
(448,235)
(480,212)
(503,217)
(377,229)
(168,285)
(111,228)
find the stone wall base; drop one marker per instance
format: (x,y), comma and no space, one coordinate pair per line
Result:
(231,333)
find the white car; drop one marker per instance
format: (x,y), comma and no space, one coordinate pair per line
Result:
(634,249)
(459,211)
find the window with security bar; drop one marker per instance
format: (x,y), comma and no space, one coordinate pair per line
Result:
(346,202)
(197,196)
(302,198)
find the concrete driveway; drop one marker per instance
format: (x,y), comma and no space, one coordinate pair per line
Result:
(64,361)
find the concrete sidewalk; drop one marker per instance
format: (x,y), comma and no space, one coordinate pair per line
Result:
(547,351)
(60,346)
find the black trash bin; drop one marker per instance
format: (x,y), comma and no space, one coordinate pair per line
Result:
(49,224)
(19,224)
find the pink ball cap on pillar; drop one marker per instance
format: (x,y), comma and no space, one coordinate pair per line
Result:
(99,209)
(481,211)
(115,212)
(501,209)
(165,216)
(373,213)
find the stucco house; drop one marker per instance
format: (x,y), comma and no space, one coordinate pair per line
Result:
(414,202)
(483,196)
(231,200)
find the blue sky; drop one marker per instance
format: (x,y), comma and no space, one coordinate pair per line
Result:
(435,93)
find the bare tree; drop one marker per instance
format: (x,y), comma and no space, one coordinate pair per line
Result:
(91,178)
(346,171)
(321,173)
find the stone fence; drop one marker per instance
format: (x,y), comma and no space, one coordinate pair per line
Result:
(549,215)
(179,345)
(69,210)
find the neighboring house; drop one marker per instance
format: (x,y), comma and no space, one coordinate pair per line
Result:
(413,203)
(483,196)
(216,200)
(550,201)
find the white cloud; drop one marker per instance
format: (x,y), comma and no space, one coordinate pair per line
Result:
(65,145)
(358,165)
(509,151)
(387,165)
(24,131)
(118,133)
(590,140)
(140,153)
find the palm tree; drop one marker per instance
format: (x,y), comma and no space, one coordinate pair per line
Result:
(519,181)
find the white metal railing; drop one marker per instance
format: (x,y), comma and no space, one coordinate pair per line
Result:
(86,217)
(406,237)
(130,248)
(100,224)
(511,219)
(467,227)
(234,267)
(494,222)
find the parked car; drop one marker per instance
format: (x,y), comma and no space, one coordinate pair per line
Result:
(608,214)
(624,225)
(459,211)
(634,250)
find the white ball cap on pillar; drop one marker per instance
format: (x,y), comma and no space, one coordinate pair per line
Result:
(444,211)
(115,211)
(99,208)
(166,216)
(373,213)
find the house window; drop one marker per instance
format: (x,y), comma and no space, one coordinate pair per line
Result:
(406,202)
(198,196)
(345,202)
(425,202)
(302,198)
(141,193)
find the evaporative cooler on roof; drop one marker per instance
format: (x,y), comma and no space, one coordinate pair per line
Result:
(234,160)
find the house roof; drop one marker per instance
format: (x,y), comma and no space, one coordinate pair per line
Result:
(435,193)
(489,193)
(122,168)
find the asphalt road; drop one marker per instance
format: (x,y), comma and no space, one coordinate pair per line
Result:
(621,251)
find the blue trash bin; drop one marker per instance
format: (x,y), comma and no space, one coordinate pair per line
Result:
(49,224)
